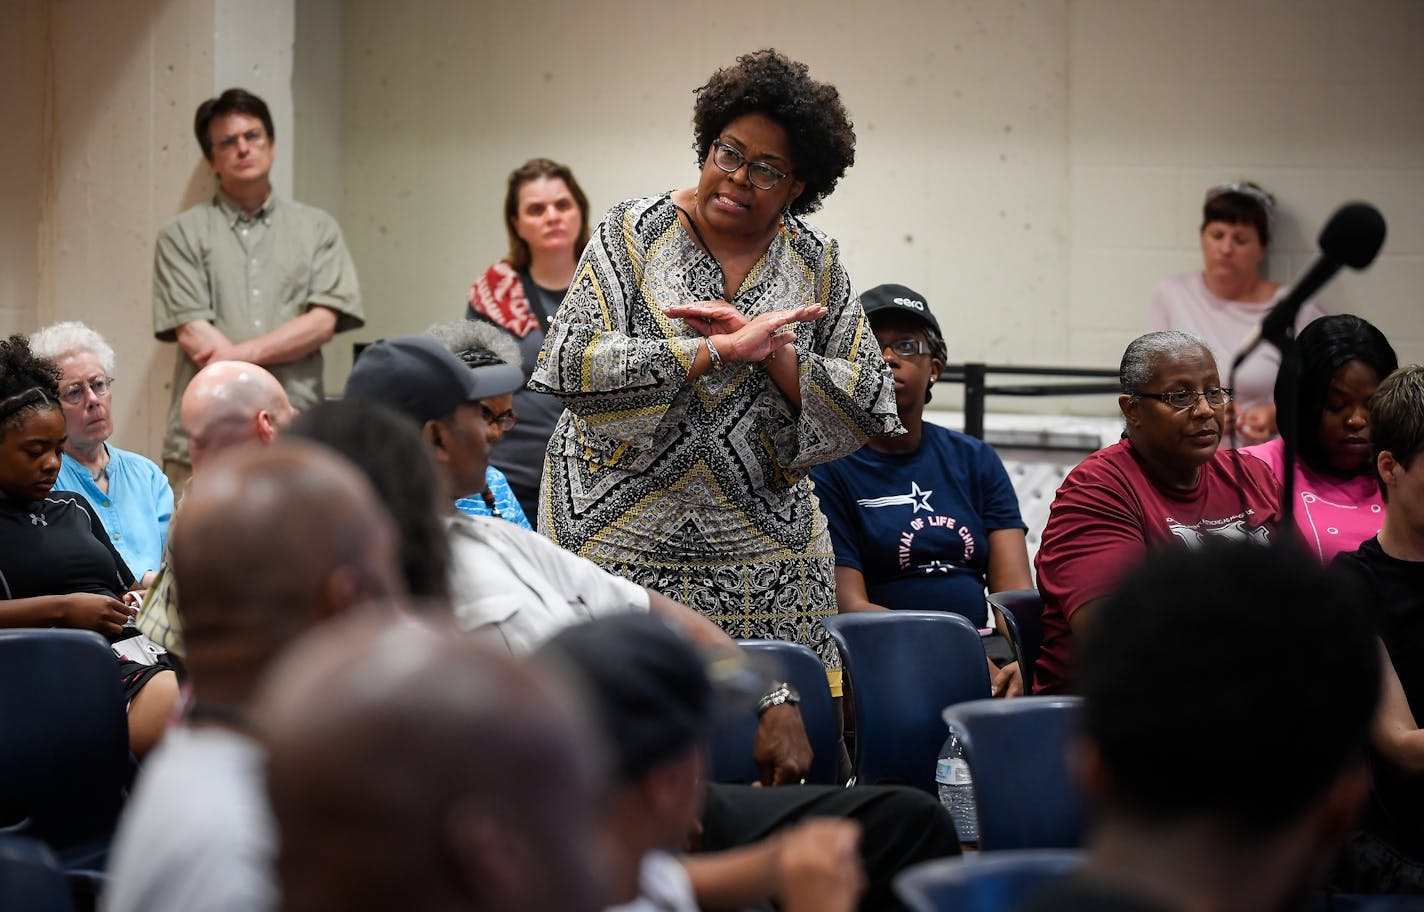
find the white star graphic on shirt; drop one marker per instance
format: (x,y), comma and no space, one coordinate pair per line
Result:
(918,499)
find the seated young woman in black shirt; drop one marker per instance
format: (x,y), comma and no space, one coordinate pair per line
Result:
(57,565)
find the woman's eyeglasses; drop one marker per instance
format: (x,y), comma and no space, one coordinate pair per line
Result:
(907,348)
(75,392)
(1216,397)
(762,175)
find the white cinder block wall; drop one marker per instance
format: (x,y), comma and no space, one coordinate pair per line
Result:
(1032,167)
(1318,101)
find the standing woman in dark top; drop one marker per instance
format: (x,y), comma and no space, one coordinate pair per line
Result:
(57,565)
(546,215)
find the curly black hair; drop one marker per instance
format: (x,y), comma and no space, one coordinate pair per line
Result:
(27,382)
(770,83)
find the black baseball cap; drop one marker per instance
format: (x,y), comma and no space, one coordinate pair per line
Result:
(898,299)
(656,694)
(422,379)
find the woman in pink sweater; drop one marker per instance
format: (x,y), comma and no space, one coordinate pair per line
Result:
(1337,498)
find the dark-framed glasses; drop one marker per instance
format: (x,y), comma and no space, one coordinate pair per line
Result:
(1216,397)
(907,348)
(74,393)
(503,420)
(254,137)
(761,175)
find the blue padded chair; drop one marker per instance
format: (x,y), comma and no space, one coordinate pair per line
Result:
(1017,753)
(64,743)
(1025,608)
(730,754)
(31,877)
(904,668)
(1000,882)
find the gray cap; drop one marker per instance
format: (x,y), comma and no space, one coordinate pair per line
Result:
(424,380)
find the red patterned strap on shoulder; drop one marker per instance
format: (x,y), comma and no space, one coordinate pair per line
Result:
(498,295)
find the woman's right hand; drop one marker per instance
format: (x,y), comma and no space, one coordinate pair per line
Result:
(99,613)
(742,339)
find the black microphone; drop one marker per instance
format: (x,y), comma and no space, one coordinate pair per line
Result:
(1352,237)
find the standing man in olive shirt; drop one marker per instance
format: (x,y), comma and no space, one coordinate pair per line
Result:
(248,276)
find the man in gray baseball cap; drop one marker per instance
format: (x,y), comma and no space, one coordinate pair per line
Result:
(426,382)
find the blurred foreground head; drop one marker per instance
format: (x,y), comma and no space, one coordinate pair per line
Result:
(272,541)
(1228,696)
(414,769)
(1243,703)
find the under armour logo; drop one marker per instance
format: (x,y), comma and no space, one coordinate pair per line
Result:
(37,519)
(918,499)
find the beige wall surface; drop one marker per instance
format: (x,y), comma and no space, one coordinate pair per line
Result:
(959,190)
(1320,101)
(103,96)
(1033,167)
(22,77)
(114,161)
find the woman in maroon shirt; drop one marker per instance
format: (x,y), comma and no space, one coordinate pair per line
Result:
(1166,483)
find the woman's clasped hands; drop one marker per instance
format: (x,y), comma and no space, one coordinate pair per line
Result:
(739,338)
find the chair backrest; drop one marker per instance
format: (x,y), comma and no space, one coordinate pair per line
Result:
(1018,755)
(904,668)
(1026,608)
(730,752)
(1000,882)
(1005,623)
(31,877)
(64,748)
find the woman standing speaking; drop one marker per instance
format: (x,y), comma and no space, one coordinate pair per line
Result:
(708,354)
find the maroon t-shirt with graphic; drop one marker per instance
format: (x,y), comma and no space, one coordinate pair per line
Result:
(1109,512)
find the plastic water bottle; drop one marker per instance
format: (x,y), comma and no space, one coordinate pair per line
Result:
(956,789)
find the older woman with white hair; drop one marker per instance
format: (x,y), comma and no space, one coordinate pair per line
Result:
(129,492)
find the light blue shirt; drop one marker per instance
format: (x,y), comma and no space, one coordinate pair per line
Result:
(136,510)
(504,500)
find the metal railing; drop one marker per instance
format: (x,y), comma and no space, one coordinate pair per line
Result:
(974,374)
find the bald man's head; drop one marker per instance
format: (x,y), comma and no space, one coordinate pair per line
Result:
(271,541)
(229,403)
(414,768)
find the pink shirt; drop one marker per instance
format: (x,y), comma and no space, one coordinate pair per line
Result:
(1333,514)
(1183,302)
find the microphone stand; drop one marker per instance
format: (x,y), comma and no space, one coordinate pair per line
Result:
(1287,414)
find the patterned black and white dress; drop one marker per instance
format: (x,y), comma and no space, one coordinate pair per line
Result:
(698,488)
